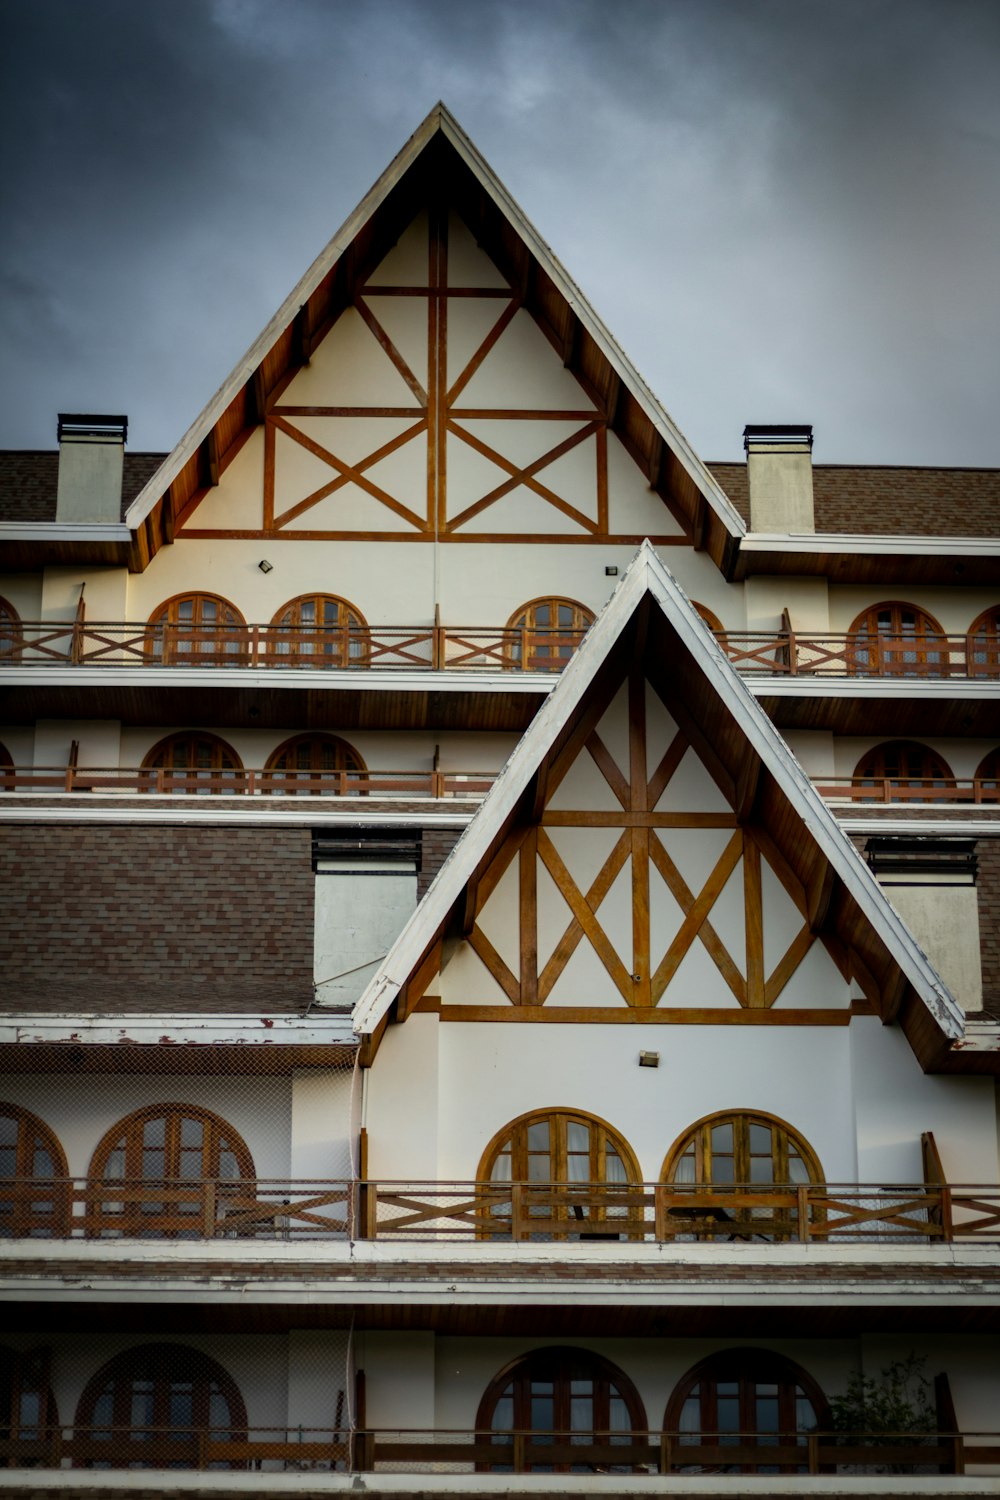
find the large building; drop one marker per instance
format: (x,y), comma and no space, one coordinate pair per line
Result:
(501,959)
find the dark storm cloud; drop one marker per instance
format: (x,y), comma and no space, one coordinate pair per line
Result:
(784,210)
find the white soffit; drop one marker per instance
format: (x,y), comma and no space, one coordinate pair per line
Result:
(647,574)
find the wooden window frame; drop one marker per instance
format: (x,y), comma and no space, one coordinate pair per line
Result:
(562,1365)
(283,780)
(6,769)
(747,1368)
(222,642)
(160,1365)
(25,1372)
(24,1219)
(983,641)
(571,1220)
(201,778)
(934,773)
(347,643)
(927,645)
(742,1223)
(988,777)
(524,636)
(144,1218)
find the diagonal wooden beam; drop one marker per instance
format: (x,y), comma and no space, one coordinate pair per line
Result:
(484,950)
(499,327)
(696,923)
(581,910)
(608,767)
(570,940)
(349,473)
(672,757)
(522,476)
(787,964)
(390,349)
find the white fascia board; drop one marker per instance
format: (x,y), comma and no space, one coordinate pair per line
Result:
(972,826)
(873,546)
(63,531)
(348,231)
(355,679)
(818,685)
(610,348)
(247,1030)
(134,807)
(441,120)
(500,801)
(648,573)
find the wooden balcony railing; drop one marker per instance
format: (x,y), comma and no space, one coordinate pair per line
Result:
(429,648)
(434,784)
(412,1450)
(435,648)
(248,783)
(662,1213)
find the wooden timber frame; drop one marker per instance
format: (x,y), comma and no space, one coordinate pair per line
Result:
(438,169)
(649,633)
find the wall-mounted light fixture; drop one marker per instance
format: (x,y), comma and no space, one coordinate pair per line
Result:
(649,1059)
(611,571)
(265,566)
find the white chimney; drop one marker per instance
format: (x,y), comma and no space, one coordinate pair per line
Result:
(779,473)
(91,459)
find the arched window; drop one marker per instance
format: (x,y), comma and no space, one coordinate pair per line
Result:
(746,1398)
(198,630)
(33,1173)
(543,635)
(711,620)
(148,1407)
(741,1149)
(559,1399)
(11,633)
(315,763)
(988,777)
(897,640)
(193,761)
(181,1146)
(982,644)
(318,630)
(27,1408)
(576,1168)
(904,771)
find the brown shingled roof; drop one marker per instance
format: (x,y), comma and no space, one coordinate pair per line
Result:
(889,499)
(28,479)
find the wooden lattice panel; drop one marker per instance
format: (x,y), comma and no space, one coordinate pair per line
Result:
(639,887)
(435,407)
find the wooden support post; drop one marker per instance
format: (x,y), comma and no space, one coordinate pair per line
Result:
(802,1198)
(812,1447)
(208,1210)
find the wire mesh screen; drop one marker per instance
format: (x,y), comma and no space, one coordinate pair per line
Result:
(218,1163)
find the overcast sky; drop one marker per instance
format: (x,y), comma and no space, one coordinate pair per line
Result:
(785,210)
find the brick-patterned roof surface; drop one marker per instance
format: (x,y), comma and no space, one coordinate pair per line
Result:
(28,482)
(863,499)
(883,499)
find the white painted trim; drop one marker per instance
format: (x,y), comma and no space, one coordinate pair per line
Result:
(439,120)
(319,1030)
(647,574)
(819,685)
(403,1486)
(914,826)
(376,679)
(345,812)
(874,546)
(63,531)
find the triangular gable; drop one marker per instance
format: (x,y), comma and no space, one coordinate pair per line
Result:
(437,163)
(771,826)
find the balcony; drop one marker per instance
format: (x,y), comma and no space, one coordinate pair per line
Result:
(500,1453)
(493,1212)
(437,648)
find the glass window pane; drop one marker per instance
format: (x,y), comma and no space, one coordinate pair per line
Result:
(722,1139)
(760,1139)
